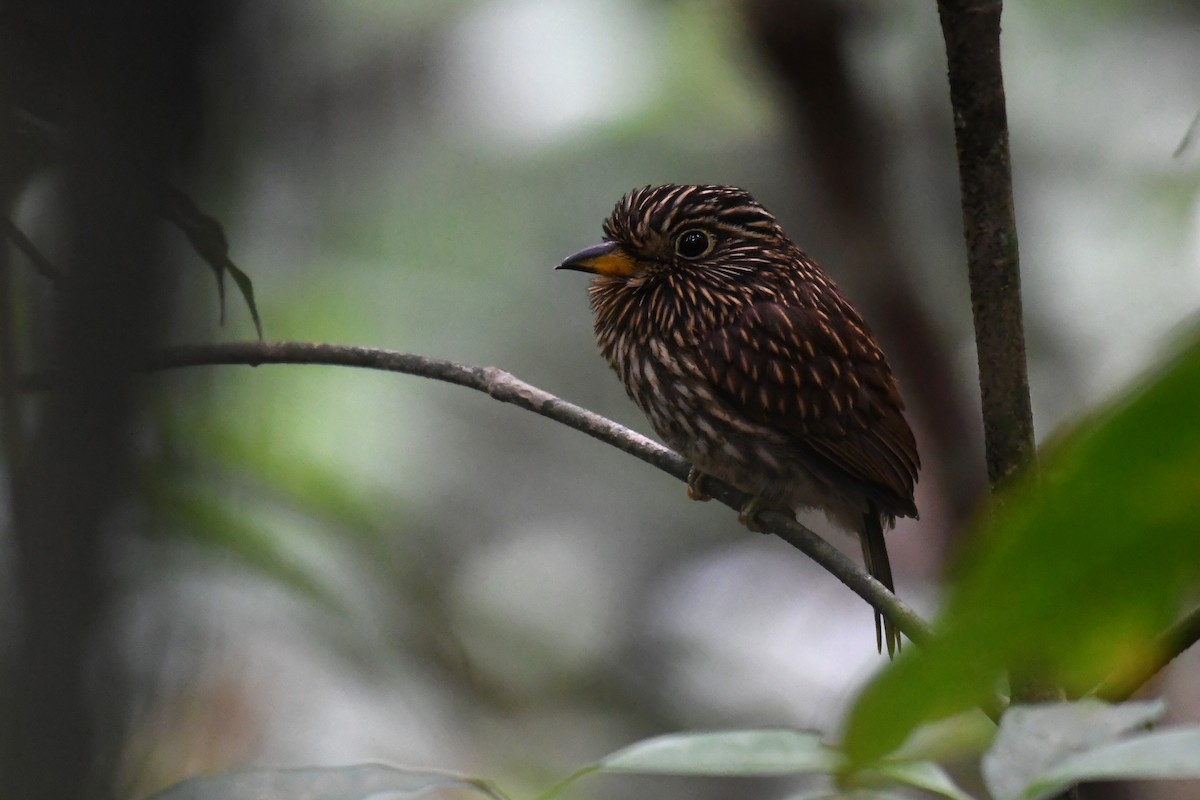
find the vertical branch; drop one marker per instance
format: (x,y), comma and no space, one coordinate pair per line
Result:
(120,78)
(971,29)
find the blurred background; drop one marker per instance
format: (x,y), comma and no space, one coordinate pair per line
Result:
(313,566)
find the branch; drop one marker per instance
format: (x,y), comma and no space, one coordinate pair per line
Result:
(22,242)
(507,388)
(971,29)
(1173,642)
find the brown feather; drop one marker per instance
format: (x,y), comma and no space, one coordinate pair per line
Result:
(857,423)
(748,360)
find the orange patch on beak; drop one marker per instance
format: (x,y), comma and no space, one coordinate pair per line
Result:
(606,258)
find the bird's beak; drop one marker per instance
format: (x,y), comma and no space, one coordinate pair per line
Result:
(606,258)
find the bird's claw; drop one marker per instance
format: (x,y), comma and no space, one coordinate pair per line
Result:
(695,486)
(748,516)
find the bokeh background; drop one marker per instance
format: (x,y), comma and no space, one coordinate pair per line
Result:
(326,566)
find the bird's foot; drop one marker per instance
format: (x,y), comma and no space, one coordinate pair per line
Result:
(748,516)
(695,486)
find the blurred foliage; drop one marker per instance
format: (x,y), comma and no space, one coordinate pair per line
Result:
(1074,571)
(345,783)
(467,585)
(1039,752)
(389,192)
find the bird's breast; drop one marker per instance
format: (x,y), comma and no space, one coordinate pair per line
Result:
(657,358)
(665,383)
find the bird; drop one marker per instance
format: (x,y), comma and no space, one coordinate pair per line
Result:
(750,362)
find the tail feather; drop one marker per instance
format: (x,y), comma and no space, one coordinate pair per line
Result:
(875,556)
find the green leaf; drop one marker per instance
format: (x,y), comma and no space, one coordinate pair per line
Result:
(849,794)
(1033,739)
(1075,574)
(246,287)
(764,753)
(207,238)
(924,775)
(958,738)
(358,782)
(727,753)
(747,753)
(1168,754)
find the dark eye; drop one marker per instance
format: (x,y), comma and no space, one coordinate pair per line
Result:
(693,243)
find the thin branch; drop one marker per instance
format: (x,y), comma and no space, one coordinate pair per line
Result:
(971,29)
(1171,643)
(43,265)
(507,388)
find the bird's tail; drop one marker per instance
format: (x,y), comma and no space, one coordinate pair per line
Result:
(875,556)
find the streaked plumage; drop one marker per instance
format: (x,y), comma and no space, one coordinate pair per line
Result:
(750,362)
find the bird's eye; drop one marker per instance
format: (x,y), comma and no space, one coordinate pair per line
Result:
(693,243)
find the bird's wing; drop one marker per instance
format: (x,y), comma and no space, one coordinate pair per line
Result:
(821,379)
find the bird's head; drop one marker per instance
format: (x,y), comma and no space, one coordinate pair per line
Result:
(699,232)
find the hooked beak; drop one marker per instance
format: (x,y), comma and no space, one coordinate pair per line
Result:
(606,258)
